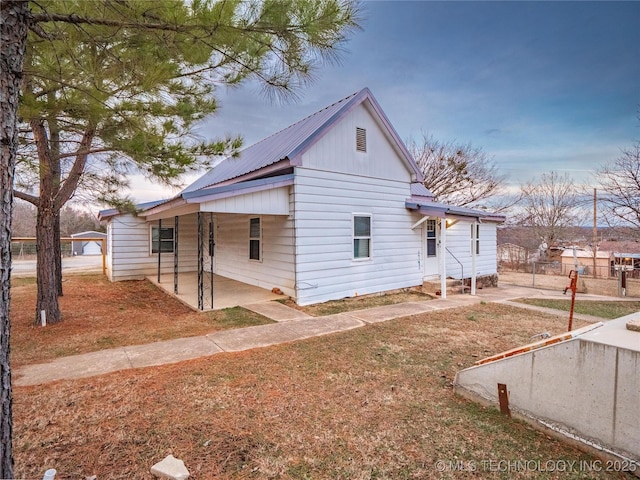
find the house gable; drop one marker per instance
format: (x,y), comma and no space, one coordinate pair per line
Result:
(287,147)
(358,144)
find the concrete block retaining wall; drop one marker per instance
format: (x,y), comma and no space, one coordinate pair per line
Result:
(590,388)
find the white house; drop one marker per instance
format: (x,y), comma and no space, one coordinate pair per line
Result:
(330,207)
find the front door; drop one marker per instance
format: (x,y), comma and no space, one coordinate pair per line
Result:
(431,247)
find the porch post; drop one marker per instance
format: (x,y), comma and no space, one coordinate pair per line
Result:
(212,246)
(200,263)
(474,243)
(175,255)
(159,246)
(443,260)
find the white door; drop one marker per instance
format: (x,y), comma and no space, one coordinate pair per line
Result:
(431,244)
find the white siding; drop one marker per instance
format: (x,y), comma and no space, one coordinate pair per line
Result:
(275,269)
(336,151)
(129,252)
(274,201)
(324,206)
(459,245)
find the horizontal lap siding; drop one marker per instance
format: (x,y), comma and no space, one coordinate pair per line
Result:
(324,208)
(274,201)
(459,244)
(129,250)
(232,251)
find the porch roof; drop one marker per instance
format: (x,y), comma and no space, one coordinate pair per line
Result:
(442,210)
(188,202)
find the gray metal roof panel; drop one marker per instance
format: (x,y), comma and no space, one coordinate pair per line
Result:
(279,146)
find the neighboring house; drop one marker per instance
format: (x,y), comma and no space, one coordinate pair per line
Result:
(584,260)
(512,254)
(330,207)
(87,247)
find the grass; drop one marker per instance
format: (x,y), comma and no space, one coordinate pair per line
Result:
(98,314)
(609,310)
(358,303)
(374,402)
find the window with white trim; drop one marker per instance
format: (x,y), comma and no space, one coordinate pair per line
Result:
(255,239)
(162,240)
(477,238)
(361,236)
(361,139)
(431,238)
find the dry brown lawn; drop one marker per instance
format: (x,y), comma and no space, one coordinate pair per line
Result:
(98,314)
(375,402)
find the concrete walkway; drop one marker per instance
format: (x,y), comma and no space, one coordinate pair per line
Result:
(291,325)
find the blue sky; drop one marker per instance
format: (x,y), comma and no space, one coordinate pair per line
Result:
(540,86)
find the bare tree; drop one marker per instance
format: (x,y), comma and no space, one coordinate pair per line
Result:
(74,220)
(459,174)
(23,223)
(620,185)
(550,206)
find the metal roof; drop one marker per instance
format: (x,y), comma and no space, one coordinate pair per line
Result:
(293,141)
(443,210)
(626,255)
(419,190)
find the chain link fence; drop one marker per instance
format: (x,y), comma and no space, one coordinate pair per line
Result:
(555,276)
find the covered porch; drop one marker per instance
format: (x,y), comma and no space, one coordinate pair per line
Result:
(227,293)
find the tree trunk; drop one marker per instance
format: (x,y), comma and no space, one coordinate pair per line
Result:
(47,271)
(57,254)
(13,37)
(54,144)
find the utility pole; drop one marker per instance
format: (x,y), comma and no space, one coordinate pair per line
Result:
(595,234)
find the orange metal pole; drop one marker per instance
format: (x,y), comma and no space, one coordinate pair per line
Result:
(573,275)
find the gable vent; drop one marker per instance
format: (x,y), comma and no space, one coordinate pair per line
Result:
(361,139)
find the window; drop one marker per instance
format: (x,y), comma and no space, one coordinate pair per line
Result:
(477,238)
(361,236)
(162,240)
(431,238)
(361,139)
(255,239)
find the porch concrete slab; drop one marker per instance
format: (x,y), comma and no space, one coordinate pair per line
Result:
(277,311)
(76,366)
(389,312)
(227,293)
(254,337)
(170,351)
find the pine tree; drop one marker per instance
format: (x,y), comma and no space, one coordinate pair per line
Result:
(113,86)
